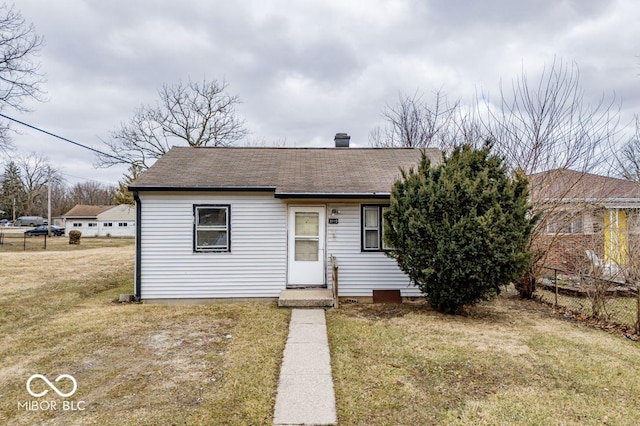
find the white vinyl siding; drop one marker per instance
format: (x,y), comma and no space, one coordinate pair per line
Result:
(360,271)
(255,266)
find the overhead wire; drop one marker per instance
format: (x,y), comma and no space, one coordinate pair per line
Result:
(103,182)
(63,138)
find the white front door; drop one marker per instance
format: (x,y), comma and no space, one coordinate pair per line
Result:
(306,246)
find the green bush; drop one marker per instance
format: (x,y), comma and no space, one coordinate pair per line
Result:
(460,230)
(74,237)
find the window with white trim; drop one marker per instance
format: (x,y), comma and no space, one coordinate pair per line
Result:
(373,228)
(108,224)
(122,224)
(212,230)
(77,225)
(92,224)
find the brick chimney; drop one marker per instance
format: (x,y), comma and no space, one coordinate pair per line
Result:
(342,140)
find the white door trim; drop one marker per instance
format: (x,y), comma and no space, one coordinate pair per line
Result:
(305,273)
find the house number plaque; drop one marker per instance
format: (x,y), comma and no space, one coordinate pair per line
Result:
(333,221)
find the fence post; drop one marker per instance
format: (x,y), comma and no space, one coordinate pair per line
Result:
(555,284)
(24,242)
(334,270)
(637,309)
(45,241)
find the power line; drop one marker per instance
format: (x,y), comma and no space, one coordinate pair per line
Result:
(63,138)
(104,182)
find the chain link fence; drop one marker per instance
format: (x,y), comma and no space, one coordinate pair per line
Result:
(11,241)
(587,297)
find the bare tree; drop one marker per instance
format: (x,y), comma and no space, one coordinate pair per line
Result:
(196,114)
(413,123)
(35,171)
(547,125)
(628,158)
(60,200)
(265,143)
(20,76)
(92,193)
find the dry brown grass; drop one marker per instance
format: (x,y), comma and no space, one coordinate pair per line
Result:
(508,363)
(135,364)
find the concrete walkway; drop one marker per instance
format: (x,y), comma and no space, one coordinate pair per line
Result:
(305,391)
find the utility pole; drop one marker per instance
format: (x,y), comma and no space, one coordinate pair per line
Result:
(49,203)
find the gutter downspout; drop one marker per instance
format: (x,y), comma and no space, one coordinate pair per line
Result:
(138,267)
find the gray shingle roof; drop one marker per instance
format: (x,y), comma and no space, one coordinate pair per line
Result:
(568,184)
(86,211)
(286,171)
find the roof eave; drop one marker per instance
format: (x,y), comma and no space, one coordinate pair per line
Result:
(337,195)
(169,188)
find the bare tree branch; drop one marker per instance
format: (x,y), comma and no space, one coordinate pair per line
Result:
(20,75)
(628,158)
(548,125)
(413,123)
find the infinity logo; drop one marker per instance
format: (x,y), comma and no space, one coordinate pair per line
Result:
(52,386)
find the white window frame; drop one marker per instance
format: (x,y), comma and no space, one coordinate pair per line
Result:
(92,224)
(197,227)
(122,224)
(108,224)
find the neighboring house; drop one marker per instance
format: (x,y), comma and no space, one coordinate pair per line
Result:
(251,222)
(101,221)
(584,211)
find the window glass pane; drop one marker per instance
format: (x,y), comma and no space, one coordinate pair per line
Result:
(307,224)
(577,225)
(385,246)
(211,239)
(212,217)
(306,250)
(371,217)
(371,239)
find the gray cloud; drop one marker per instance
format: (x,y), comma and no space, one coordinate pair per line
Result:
(306,70)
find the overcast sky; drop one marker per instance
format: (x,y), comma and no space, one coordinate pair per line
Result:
(307,69)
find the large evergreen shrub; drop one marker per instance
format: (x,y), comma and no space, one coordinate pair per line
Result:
(460,230)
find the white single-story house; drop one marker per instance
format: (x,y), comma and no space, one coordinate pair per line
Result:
(251,222)
(101,221)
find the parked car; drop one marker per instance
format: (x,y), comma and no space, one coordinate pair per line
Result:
(44,230)
(29,221)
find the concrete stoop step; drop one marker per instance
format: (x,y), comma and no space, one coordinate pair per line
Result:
(306,298)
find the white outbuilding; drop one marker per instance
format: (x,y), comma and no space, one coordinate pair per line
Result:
(101,221)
